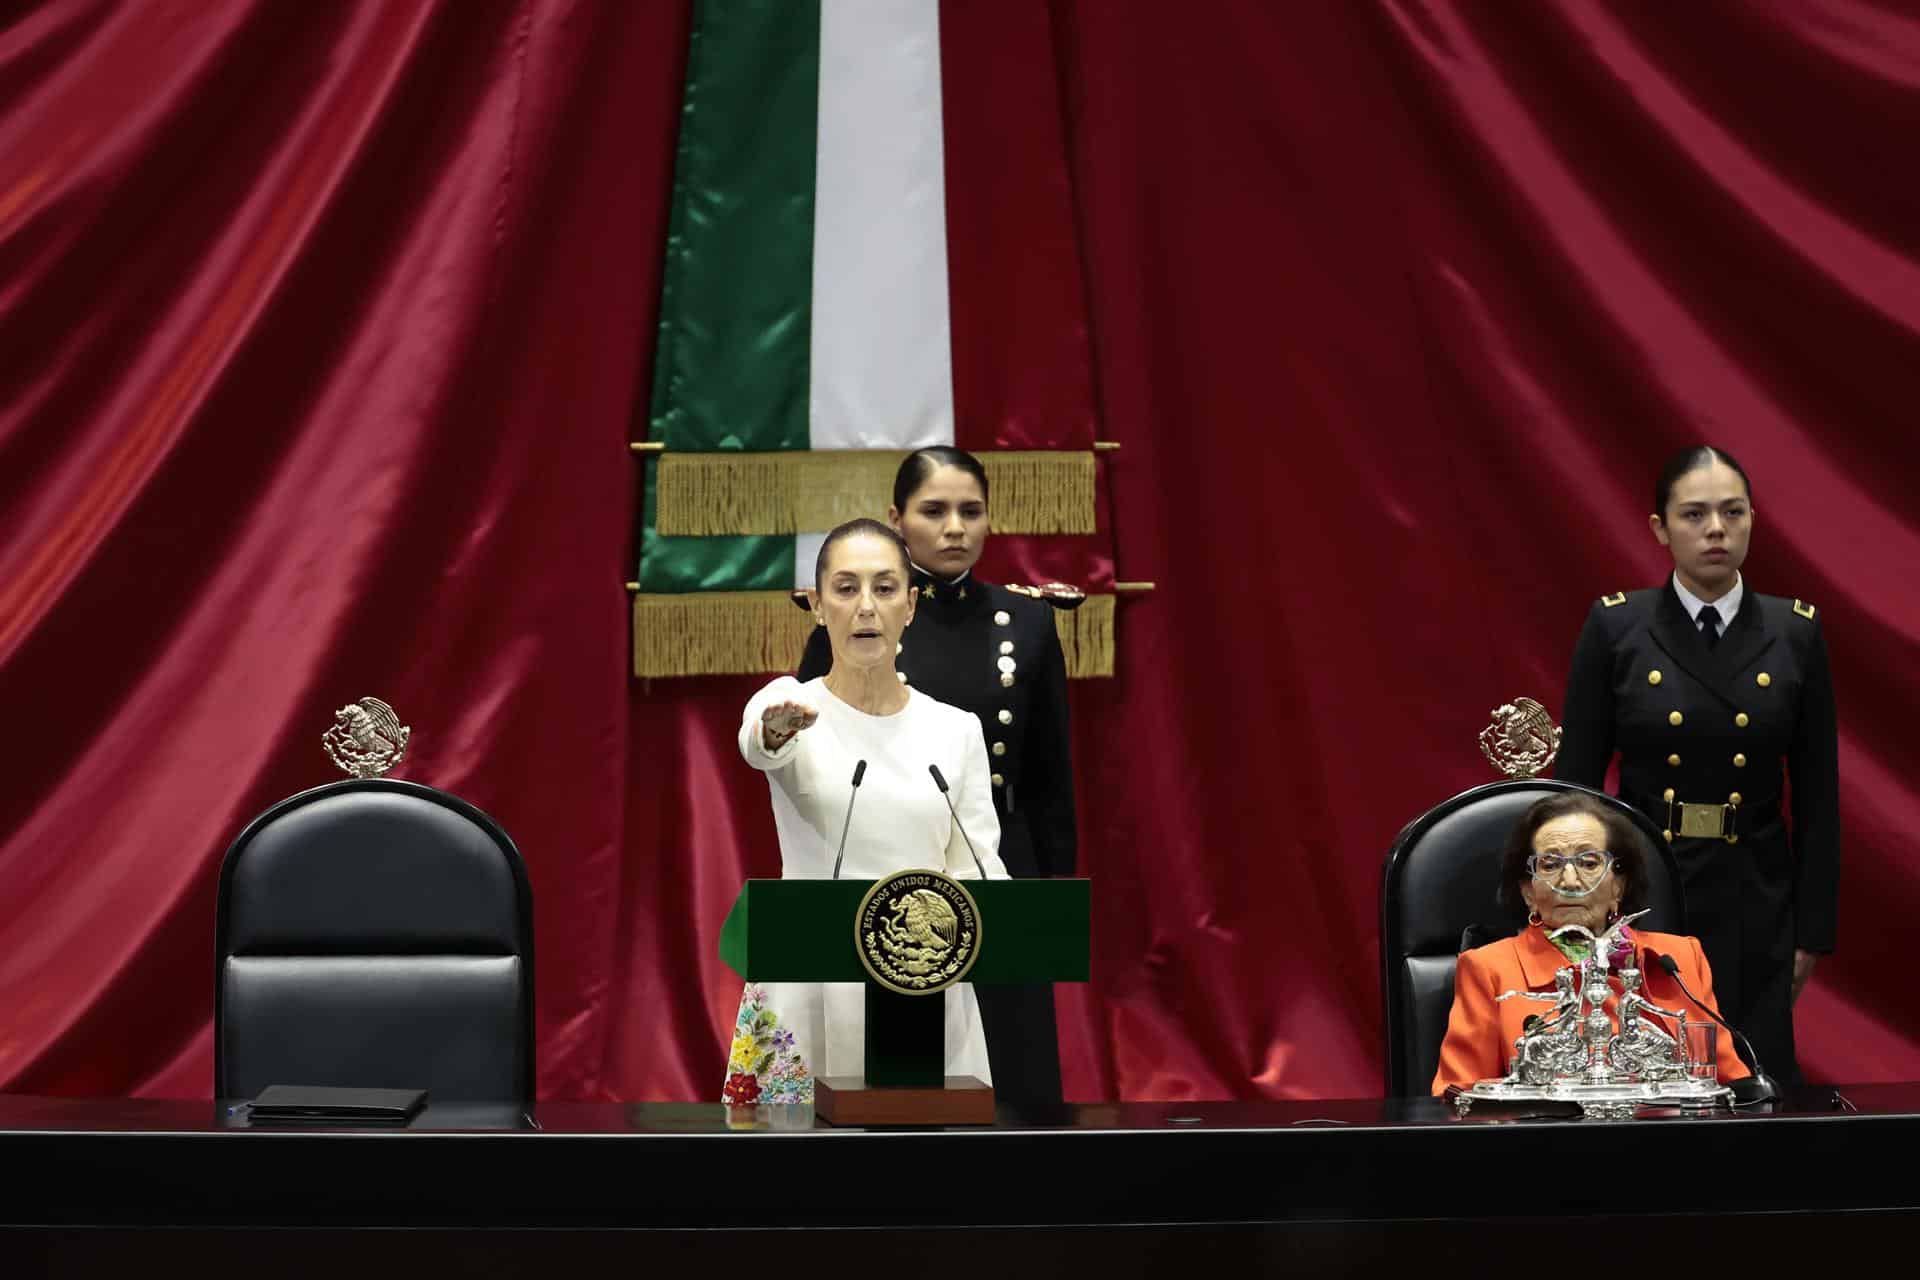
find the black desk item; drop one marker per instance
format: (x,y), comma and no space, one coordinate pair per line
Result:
(306,1104)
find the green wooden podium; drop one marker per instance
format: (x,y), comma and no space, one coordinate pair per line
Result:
(1031,931)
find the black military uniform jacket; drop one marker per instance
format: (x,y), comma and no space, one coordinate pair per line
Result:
(1713,724)
(995,653)
(1712,727)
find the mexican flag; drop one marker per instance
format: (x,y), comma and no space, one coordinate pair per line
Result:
(871,249)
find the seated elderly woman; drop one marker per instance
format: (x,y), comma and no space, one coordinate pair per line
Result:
(1572,860)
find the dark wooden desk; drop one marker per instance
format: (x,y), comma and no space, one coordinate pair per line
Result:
(1129,1188)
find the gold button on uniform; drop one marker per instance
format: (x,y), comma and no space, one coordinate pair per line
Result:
(1674,761)
(1653,677)
(1006,679)
(1005,664)
(1739,761)
(1741,719)
(1734,798)
(1674,717)
(1003,618)
(999,748)
(1668,835)
(1006,646)
(1006,717)
(1763,679)
(999,781)
(1668,797)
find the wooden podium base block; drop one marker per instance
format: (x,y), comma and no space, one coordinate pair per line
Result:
(847,1100)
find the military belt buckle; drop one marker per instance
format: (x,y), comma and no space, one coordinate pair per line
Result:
(1703,821)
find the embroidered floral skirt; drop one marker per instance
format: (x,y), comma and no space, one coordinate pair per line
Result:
(764,1062)
(786,1032)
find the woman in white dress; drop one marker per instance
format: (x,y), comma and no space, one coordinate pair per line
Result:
(807,738)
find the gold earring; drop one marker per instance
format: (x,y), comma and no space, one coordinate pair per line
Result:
(1534,918)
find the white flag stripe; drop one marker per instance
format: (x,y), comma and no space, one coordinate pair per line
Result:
(806,550)
(882,358)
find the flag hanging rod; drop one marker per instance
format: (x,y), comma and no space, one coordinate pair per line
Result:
(1119,588)
(660,446)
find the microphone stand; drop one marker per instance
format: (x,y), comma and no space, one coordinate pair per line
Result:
(941,782)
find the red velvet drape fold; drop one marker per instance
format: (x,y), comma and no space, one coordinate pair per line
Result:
(321,329)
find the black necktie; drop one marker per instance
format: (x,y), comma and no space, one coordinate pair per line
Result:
(1710,624)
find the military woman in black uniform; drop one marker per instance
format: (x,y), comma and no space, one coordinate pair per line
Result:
(992,651)
(1707,689)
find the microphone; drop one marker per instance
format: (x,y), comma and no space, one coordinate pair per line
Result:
(1758,1087)
(859,772)
(941,783)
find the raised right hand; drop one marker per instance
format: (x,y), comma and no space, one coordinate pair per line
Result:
(782,720)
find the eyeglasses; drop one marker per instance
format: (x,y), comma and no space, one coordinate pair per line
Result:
(1590,865)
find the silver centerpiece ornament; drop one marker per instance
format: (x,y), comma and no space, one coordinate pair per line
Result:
(1574,1053)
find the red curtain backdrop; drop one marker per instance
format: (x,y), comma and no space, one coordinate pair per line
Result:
(323,329)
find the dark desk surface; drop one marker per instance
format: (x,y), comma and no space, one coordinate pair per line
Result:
(132,1163)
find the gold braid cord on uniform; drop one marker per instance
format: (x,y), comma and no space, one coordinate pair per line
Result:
(811,491)
(711,633)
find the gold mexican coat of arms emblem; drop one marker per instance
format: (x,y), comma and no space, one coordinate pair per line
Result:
(1522,740)
(917,932)
(367,739)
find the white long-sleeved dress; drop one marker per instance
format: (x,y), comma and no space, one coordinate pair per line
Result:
(787,1033)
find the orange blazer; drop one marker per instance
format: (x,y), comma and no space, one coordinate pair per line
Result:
(1481,1031)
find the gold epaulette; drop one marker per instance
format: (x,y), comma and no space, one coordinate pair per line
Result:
(1803,609)
(1618,597)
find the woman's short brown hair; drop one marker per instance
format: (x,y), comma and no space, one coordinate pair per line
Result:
(861,527)
(1624,842)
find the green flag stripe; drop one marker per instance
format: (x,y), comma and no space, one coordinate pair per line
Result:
(733,563)
(736,294)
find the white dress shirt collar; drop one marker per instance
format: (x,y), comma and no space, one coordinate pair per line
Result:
(1728,604)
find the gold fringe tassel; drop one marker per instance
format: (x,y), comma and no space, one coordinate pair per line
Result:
(712,633)
(1086,635)
(811,491)
(1036,492)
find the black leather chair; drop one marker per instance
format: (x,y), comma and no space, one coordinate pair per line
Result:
(375,934)
(1438,897)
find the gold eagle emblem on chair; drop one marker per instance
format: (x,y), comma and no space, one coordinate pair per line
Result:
(367,739)
(1522,740)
